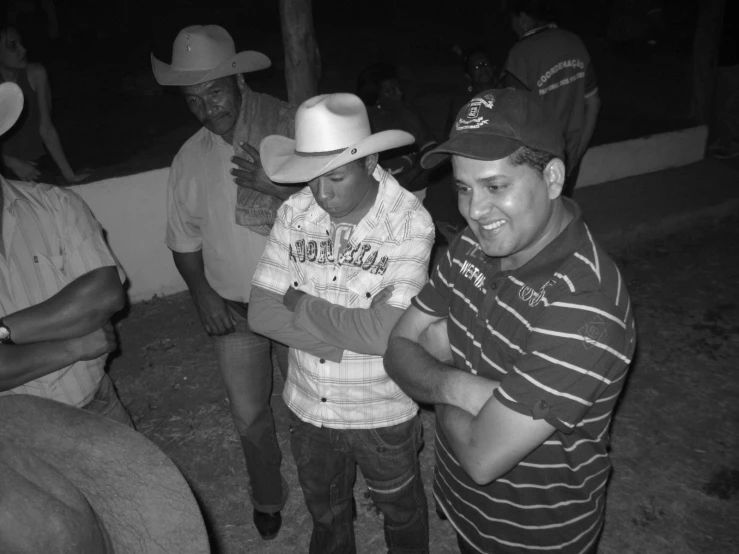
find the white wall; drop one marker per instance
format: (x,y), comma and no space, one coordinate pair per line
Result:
(619,160)
(133,209)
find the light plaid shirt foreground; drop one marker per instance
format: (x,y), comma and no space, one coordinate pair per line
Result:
(51,239)
(391,245)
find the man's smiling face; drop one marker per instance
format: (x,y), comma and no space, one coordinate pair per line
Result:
(508,208)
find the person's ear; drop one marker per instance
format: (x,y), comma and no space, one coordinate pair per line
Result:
(241,83)
(371,163)
(554,177)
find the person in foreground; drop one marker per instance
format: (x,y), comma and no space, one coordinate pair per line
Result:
(220,208)
(528,336)
(344,258)
(59,287)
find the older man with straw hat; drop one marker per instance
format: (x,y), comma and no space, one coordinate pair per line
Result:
(344,259)
(217,231)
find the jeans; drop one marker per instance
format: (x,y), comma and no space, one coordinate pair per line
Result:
(245,361)
(327,461)
(107,404)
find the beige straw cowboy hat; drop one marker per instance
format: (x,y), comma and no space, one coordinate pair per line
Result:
(331,130)
(11,105)
(202,53)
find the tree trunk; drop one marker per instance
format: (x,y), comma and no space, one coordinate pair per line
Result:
(302,59)
(705,57)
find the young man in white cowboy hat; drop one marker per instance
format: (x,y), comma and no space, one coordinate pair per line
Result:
(220,208)
(344,258)
(531,323)
(59,287)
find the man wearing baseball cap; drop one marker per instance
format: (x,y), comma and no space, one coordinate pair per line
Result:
(522,339)
(217,231)
(344,259)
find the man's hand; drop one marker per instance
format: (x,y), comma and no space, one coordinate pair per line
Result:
(78,176)
(291,298)
(382,297)
(213,310)
(95,344)
(25,170)
(435,340)
(251,175)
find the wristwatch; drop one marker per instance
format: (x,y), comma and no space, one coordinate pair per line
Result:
(5,333)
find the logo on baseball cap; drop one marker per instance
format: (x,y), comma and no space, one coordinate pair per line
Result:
(496,123)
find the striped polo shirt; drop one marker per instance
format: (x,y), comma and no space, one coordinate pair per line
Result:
(558,334)
(391,245)
(51,238)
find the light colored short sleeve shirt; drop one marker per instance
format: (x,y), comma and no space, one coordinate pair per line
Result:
(50,238)
(201,207)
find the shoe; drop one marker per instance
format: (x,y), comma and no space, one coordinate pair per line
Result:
(268,524)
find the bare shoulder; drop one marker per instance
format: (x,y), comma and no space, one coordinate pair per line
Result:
(36,75)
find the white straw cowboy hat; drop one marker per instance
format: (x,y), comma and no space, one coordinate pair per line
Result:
(202,53)
(331,130)
(11,105)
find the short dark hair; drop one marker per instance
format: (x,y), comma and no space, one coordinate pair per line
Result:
(540,10)
(535,159)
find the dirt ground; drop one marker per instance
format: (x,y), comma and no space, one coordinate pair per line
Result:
(675,438)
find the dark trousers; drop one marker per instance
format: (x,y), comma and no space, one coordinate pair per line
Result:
(327,461)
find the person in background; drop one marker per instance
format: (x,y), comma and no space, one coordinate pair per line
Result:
(25,147)
(554,64)
(480,73)
(220,208)
(387,108)
(725,124)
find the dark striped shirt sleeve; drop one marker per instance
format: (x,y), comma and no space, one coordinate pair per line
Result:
(577,347)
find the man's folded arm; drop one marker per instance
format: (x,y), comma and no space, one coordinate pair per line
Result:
(22,363)
(361,330)
(269,317)
(491,443)
(421,375)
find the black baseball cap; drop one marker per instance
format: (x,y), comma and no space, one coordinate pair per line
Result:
(496,123)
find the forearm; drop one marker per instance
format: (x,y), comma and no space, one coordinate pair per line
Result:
(458,428)
(191,267)
(78,309)
(361,330)
(22,363)
(54,145)
(423,377)
(269,317)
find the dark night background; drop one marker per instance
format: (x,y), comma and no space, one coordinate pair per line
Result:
(112,115)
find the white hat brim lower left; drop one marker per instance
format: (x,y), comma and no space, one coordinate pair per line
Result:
(11,105)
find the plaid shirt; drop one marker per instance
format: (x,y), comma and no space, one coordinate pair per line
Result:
(51,238)
(391,245)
